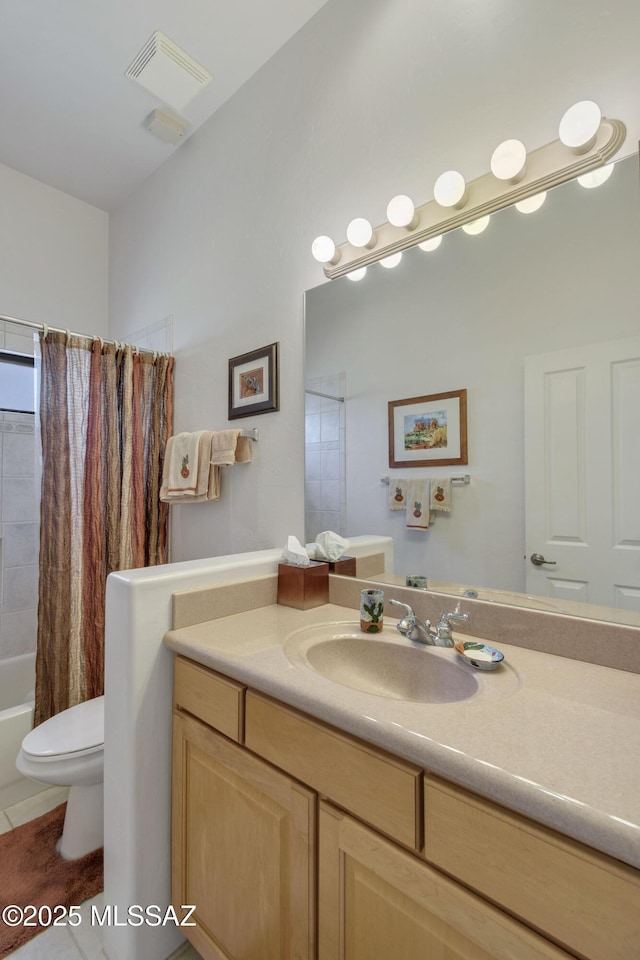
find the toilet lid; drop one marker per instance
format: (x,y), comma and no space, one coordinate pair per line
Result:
(79,729)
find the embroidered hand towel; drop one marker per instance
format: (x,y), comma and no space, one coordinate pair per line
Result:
(417,511)
(397,493)
(208,478)
(441,494)
(181,464)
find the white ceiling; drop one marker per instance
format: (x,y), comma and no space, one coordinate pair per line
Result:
(68,115)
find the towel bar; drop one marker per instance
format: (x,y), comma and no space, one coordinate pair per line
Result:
(466,478)
(251,434)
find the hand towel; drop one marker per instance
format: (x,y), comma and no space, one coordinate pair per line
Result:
(181,464)
(397,493)
(441,494)
(228,447)
(208,485)
(243,450)
(208,479)
(417,510)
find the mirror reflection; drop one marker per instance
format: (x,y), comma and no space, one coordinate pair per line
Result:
(561,281)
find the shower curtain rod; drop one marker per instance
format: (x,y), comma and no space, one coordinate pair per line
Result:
(87,336)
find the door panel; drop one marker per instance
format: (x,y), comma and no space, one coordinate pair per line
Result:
(582,457)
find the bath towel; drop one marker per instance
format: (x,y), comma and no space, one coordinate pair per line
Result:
(441,494)
(208,477)
(181,464)
(228,447)
(397,493)
(417,510)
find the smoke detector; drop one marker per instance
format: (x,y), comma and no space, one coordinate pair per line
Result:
(168,72)
(166,126)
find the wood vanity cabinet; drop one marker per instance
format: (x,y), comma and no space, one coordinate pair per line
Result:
(407,866)
(377,901)
(243,841)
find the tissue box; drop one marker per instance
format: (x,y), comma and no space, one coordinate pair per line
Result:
(345,566)
(303,587)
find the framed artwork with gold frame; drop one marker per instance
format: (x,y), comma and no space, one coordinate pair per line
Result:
(429,431)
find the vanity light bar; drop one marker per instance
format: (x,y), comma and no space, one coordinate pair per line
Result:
(546,167)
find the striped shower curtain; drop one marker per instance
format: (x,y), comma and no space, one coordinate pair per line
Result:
(105,416)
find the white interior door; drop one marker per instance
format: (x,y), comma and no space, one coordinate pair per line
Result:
(582,470)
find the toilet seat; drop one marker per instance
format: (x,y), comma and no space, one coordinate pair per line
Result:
(77,731)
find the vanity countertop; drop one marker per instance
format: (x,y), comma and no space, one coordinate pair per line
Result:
(557,740)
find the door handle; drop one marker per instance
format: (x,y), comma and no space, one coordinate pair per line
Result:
(537,560)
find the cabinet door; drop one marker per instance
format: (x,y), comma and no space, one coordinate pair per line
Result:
(243,852)
(377,901)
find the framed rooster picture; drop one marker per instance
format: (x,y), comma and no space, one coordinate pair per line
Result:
(253,382)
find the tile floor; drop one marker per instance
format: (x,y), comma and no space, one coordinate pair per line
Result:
(83,942)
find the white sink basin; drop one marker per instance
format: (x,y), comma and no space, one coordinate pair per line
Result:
(388,665)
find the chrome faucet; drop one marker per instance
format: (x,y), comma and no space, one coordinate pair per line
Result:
(411,627)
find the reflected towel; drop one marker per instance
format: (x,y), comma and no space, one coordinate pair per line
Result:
(417,510)
(441,494)
(397,493)
(181,465)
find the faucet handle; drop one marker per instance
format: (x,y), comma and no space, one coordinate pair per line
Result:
(408,612)
(409,620)
(444,623)
(410,626)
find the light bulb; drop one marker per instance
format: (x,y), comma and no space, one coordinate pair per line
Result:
(357,274)
(360,233)
(596,177)
(432,244)
(391,261)
(579,126)
(450,189)
(324,250)
(476,226)
(531,204)
(508,161)
(401,212)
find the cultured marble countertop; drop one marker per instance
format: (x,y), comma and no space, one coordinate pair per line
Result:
(555,739)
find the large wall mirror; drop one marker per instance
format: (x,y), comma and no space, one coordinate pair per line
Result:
(467,316)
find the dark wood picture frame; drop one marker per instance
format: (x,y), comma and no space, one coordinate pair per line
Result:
(438,434)
(254,383)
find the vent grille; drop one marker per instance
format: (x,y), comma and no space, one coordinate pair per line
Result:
(165,70)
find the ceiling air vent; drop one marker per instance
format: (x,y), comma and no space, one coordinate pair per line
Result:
(168,72)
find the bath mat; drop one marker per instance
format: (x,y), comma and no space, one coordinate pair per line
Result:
(32,873)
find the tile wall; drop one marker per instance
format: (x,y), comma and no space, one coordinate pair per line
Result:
(324,465)
(19,517)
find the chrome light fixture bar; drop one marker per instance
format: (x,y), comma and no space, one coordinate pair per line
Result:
(575,155)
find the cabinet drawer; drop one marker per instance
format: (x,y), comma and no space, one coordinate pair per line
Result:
(372,785)
(215,700)
(582,899)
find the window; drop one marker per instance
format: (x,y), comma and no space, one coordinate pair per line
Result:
(17,385)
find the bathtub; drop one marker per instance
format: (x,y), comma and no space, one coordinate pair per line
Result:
(17,679)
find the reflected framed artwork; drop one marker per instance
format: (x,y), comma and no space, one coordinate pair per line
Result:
(254,382)
(428,431)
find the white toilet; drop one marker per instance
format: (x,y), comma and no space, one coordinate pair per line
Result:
(68,750)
